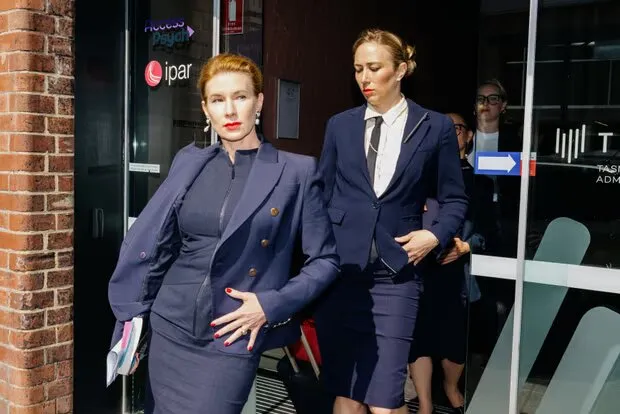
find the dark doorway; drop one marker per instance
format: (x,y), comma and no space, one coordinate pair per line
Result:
(99,71)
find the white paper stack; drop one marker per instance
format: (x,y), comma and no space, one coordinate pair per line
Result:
(121,358)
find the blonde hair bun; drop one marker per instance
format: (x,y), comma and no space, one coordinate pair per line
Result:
(409,53)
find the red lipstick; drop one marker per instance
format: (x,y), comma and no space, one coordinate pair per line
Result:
(232,125)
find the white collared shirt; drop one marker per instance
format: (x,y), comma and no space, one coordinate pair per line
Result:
(484,142)
(392,131)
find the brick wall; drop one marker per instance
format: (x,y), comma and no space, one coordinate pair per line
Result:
(36,206)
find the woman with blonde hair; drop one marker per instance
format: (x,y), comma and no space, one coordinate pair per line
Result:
(208,259)
(380,163)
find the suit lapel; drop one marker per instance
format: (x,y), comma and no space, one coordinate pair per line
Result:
(415,131)
(263,177)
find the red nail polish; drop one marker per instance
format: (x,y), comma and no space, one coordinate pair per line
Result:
(212,325)
(228,290)
(250,348)
(216,336)
(226,343)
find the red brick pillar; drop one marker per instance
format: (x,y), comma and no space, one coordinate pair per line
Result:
(36,206)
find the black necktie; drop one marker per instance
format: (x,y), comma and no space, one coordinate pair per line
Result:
(371,157)
(371,161)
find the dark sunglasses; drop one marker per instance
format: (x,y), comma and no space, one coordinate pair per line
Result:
(493,99)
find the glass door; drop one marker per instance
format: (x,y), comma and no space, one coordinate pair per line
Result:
(169,41)
(496,115)
(98,229)
(570,329)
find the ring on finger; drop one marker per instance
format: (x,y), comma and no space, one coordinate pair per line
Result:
(244,332)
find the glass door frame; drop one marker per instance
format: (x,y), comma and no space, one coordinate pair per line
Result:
(526,153)
(511,268)
(126,152)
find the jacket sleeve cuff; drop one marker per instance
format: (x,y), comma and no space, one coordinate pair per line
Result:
(476,243)
(444,240)
(269,301)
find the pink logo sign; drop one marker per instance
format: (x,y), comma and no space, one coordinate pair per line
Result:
(153,73)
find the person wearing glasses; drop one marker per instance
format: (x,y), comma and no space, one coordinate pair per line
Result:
(380,162)
(490,105)
(493,134)
(441,330)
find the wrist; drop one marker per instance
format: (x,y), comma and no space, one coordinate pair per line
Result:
(465,248)
(435,239)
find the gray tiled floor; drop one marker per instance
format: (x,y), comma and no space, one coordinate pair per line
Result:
(271,395)
(530,397)
(271,398)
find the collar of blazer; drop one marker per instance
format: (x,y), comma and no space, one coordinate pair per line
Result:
(416,128)
(264,176)
(266,151)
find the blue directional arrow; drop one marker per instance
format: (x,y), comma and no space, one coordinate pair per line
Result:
(498,163)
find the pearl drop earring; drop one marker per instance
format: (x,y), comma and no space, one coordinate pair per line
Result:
(257,121)
(208,125)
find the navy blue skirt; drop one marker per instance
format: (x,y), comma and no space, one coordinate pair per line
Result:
(365,326)
(188,378)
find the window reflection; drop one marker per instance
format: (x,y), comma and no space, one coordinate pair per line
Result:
(576,139)
(576,127)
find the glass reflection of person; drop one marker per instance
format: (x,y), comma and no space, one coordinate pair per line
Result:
(208,259)
(380,162)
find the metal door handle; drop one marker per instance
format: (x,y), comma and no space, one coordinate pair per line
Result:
(98,223)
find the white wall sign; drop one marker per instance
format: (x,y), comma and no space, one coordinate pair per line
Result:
(572,144)
(144,168)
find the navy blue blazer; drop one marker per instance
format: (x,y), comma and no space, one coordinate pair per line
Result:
(281,199)
(428,165)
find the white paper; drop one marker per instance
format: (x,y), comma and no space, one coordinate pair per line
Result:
(112,364)
(119,360)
